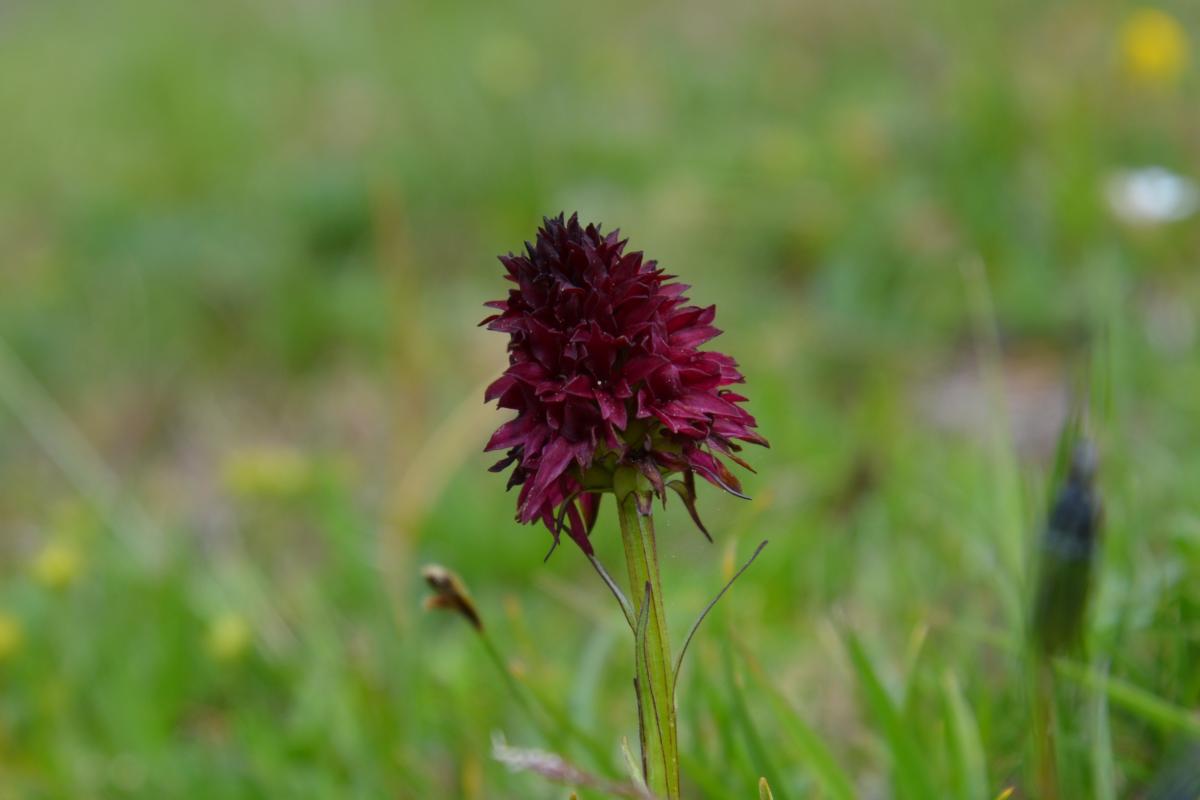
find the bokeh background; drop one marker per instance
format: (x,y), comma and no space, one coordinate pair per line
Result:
(243,252)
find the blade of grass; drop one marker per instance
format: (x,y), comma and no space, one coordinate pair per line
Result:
(811,746)
(1138,701)
(912,778)
(552,720)
(585,689)
(1134,699)
(729,754)
(1006,472)
(750,733)
(1104,769)
(970,763)
(78,460)
(699,773)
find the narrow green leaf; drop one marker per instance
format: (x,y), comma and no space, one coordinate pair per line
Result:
(1134,699)
(729,755)
(552,719)
(811,746)
(631,763)
(970,762)
(1104,771)
(912,776)
(622,600)
(701,774)
(764,790)
(651,746)
(829,774)
(753,739)
(696,625)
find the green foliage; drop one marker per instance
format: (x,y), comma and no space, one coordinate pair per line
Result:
(909,763)
(243,248)
(969,761)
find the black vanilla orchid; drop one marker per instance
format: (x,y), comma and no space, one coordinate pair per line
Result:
(608,381)
(613,394)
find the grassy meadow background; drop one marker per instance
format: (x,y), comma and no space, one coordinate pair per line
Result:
(243,252)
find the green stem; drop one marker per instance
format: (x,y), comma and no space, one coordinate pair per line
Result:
(1044,733)
(655,692)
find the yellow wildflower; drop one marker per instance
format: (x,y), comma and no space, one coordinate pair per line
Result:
(58,564)
(267,471)
(11,636)
(229,637)
(1154,46)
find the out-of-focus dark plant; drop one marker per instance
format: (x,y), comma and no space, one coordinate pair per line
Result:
(1068,550)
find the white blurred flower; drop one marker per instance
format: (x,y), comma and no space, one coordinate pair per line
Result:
(1151,196)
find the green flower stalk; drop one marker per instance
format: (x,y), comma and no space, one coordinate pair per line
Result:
(1068,551)
(654,684)
(613,395)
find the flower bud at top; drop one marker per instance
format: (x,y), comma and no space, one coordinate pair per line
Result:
(450,594)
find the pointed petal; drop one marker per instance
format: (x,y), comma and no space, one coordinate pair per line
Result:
(555,458)
(686,489)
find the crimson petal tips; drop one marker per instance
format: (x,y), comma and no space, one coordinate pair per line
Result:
(605,375)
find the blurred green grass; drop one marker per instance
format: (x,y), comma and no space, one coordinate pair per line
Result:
(244,248)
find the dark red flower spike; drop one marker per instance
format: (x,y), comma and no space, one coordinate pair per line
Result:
(605,373)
